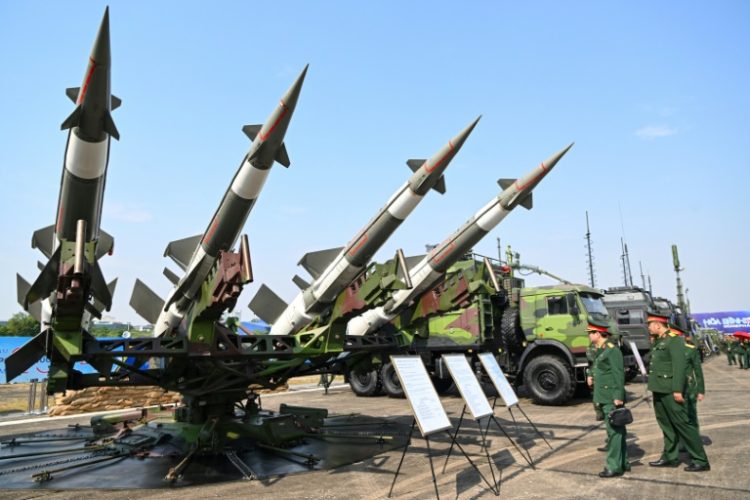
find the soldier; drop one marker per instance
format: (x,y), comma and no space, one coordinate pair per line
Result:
(608,373)
(731,359)
(739,349)
(591,352)
(695,385)
(746,352)
(667,380)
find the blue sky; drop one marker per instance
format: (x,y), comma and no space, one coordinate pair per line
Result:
(653,93)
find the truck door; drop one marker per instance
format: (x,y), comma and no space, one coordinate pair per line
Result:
(563,321)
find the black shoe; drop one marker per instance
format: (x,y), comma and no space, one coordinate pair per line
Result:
(663,463)
(697,468)
(602,448)
(609,473)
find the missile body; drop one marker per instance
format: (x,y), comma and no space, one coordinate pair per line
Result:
(71,287)
(352,259)
(83,177)
(231,215)
(427,272)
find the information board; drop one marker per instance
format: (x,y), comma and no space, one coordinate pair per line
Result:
(638,359)
(421,394)
(468,385)
(498,379)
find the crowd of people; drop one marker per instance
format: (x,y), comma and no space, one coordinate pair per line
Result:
(675,379)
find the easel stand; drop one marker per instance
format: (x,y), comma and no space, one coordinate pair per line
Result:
(496,489)
(527,455)
(432,467)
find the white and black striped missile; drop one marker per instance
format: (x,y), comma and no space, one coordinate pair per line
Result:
(334,269)
(197,255)
(427,272)
(84,175)
(75,242)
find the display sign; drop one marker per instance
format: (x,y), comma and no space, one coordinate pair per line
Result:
(423,399)
(498,379)
(468,385)
(727,322)
(638,359)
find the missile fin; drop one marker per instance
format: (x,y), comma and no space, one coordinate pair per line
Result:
(28,354)
(415,164)
(109,126)
(72,93)
(506,183)
(115,102)
(440,185)
(146,302)
(251,131)
(105,245)
(527,201)
(181,251)
(45,283)
(73,120)
(282,156)
(267,305)
(413,261)
(99,288)
(171,276)
(300,282)
(43,239)
(316,262)
(22,288)
(98,305)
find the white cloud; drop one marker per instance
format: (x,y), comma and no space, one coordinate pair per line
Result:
(127,213)
(655,131)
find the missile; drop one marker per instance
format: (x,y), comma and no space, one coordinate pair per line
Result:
(334,269)
(197,255)
(428,271)
(71,287)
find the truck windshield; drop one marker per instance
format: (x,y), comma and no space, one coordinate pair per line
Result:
(594,306)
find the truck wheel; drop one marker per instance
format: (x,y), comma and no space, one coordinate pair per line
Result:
(549,380)
(442,385)
(391,383)
(365,383)
(630,373)
(510,331)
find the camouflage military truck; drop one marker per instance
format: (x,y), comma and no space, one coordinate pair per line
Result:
(537,333)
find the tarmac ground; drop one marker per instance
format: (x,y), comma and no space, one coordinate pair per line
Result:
(569,470)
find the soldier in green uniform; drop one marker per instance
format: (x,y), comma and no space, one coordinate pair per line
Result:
(608,373)
(746,352)
(667,381)
(591,352)
(739,349)
(731,358)
(695,385)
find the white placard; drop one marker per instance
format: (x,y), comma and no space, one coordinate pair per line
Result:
(468,385)
(638,359)
(421,394)
(498,379)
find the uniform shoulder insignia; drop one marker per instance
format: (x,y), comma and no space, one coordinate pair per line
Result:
(610,345)
(691,346)
(672,334)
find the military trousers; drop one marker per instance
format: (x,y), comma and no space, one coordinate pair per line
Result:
(673,420)
(617,448)
(746,356)
(691,403)
(731,359)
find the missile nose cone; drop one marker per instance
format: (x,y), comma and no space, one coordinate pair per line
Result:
(290,98)
(550,162)
(459,140)
(100,52)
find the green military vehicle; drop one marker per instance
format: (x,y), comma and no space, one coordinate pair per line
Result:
(538,334)
(629,306)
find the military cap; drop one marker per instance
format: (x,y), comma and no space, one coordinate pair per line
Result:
(598,326)
(657,317)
